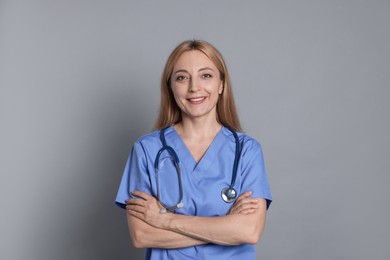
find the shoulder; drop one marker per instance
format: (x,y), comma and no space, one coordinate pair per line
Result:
(146,145)
(149,137)
(152,140)
(247,142)
(147,141)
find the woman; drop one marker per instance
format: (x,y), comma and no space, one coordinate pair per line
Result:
(198,122)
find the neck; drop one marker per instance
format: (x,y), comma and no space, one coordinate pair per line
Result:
(198,128)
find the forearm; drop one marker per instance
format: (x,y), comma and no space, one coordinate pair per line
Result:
(144,235)
(232,229)
(225,230)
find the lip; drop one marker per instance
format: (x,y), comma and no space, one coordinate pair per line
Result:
(196,100)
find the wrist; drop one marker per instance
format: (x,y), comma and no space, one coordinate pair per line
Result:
(167,222)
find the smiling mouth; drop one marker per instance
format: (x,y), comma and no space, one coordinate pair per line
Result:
(196,100)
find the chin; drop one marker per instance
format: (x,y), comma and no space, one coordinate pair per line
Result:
(199,114)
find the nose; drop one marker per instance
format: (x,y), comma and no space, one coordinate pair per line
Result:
(194,85)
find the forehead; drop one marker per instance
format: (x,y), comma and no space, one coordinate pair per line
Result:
(193,59)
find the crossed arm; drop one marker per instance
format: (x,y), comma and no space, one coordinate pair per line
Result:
(244,223)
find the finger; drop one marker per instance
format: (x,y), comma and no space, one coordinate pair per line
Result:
(135,202)
(246,201)
(247,211)
(135,214)
(240,208)
(247,206)
(141,194)
(136,208)
(243,196)
(232,209)
(236,208)
(244,204)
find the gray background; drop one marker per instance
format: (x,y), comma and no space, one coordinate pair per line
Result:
(80,82)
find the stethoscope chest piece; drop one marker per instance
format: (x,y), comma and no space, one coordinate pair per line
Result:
(228,194)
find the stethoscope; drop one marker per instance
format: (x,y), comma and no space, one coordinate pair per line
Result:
(228,193)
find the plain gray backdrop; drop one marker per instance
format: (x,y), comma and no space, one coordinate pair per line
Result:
(79,83)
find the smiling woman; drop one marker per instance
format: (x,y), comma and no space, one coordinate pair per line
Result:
(169,110)
(196,86)
(220,193)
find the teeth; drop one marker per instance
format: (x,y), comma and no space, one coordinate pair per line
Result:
(196,99)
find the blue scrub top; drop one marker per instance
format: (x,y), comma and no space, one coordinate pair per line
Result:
(202,184)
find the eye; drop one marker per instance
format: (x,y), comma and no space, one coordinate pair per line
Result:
(181,78)
(207,76)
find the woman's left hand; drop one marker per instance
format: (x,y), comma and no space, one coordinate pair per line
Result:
(146,208)
(244,204)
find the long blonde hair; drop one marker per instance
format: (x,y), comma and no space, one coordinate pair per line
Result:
(170,113)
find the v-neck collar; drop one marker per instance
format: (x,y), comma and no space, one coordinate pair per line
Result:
(185,157)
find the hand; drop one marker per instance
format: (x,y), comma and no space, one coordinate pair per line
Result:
(244,204)
(146,208)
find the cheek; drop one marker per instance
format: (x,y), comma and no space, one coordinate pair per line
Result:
(175,91)
(178,96)
(216,88)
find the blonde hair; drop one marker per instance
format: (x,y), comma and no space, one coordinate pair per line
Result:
(170,113)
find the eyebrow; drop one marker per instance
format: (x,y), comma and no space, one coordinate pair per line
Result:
(201,69)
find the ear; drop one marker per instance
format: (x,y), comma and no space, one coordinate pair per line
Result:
(220,90)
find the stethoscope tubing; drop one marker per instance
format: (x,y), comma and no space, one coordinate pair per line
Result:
(236,158)
(229,194)
(176,161)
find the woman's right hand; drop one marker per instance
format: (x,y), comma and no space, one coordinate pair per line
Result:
(244,204)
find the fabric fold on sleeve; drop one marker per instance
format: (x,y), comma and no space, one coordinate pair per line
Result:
(135,176)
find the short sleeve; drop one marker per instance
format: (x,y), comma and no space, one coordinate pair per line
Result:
(254,176)
(135,176)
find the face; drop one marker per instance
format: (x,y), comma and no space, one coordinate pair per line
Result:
(196,85)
